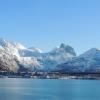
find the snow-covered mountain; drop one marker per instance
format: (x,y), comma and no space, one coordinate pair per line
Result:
(87,62)
(16,57)
(36,49)
(57,56)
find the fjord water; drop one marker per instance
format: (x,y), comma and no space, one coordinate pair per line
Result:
(36,89)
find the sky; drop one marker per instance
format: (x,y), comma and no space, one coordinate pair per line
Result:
(48,23)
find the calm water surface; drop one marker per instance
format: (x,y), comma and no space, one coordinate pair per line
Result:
(35,89)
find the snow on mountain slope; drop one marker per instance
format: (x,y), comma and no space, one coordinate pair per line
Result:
(62,53)
(11,47)
(89,61)
(14,55)
(12,51)
(32,58)
(36,50)
(57,56)
(8,61)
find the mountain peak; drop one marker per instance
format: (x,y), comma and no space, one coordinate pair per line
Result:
(64,50)
(19,46)
(95,49)
(91,53)
(62,45)
(67,48)
(9,44)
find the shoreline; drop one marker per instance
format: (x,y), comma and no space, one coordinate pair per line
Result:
(52,75)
